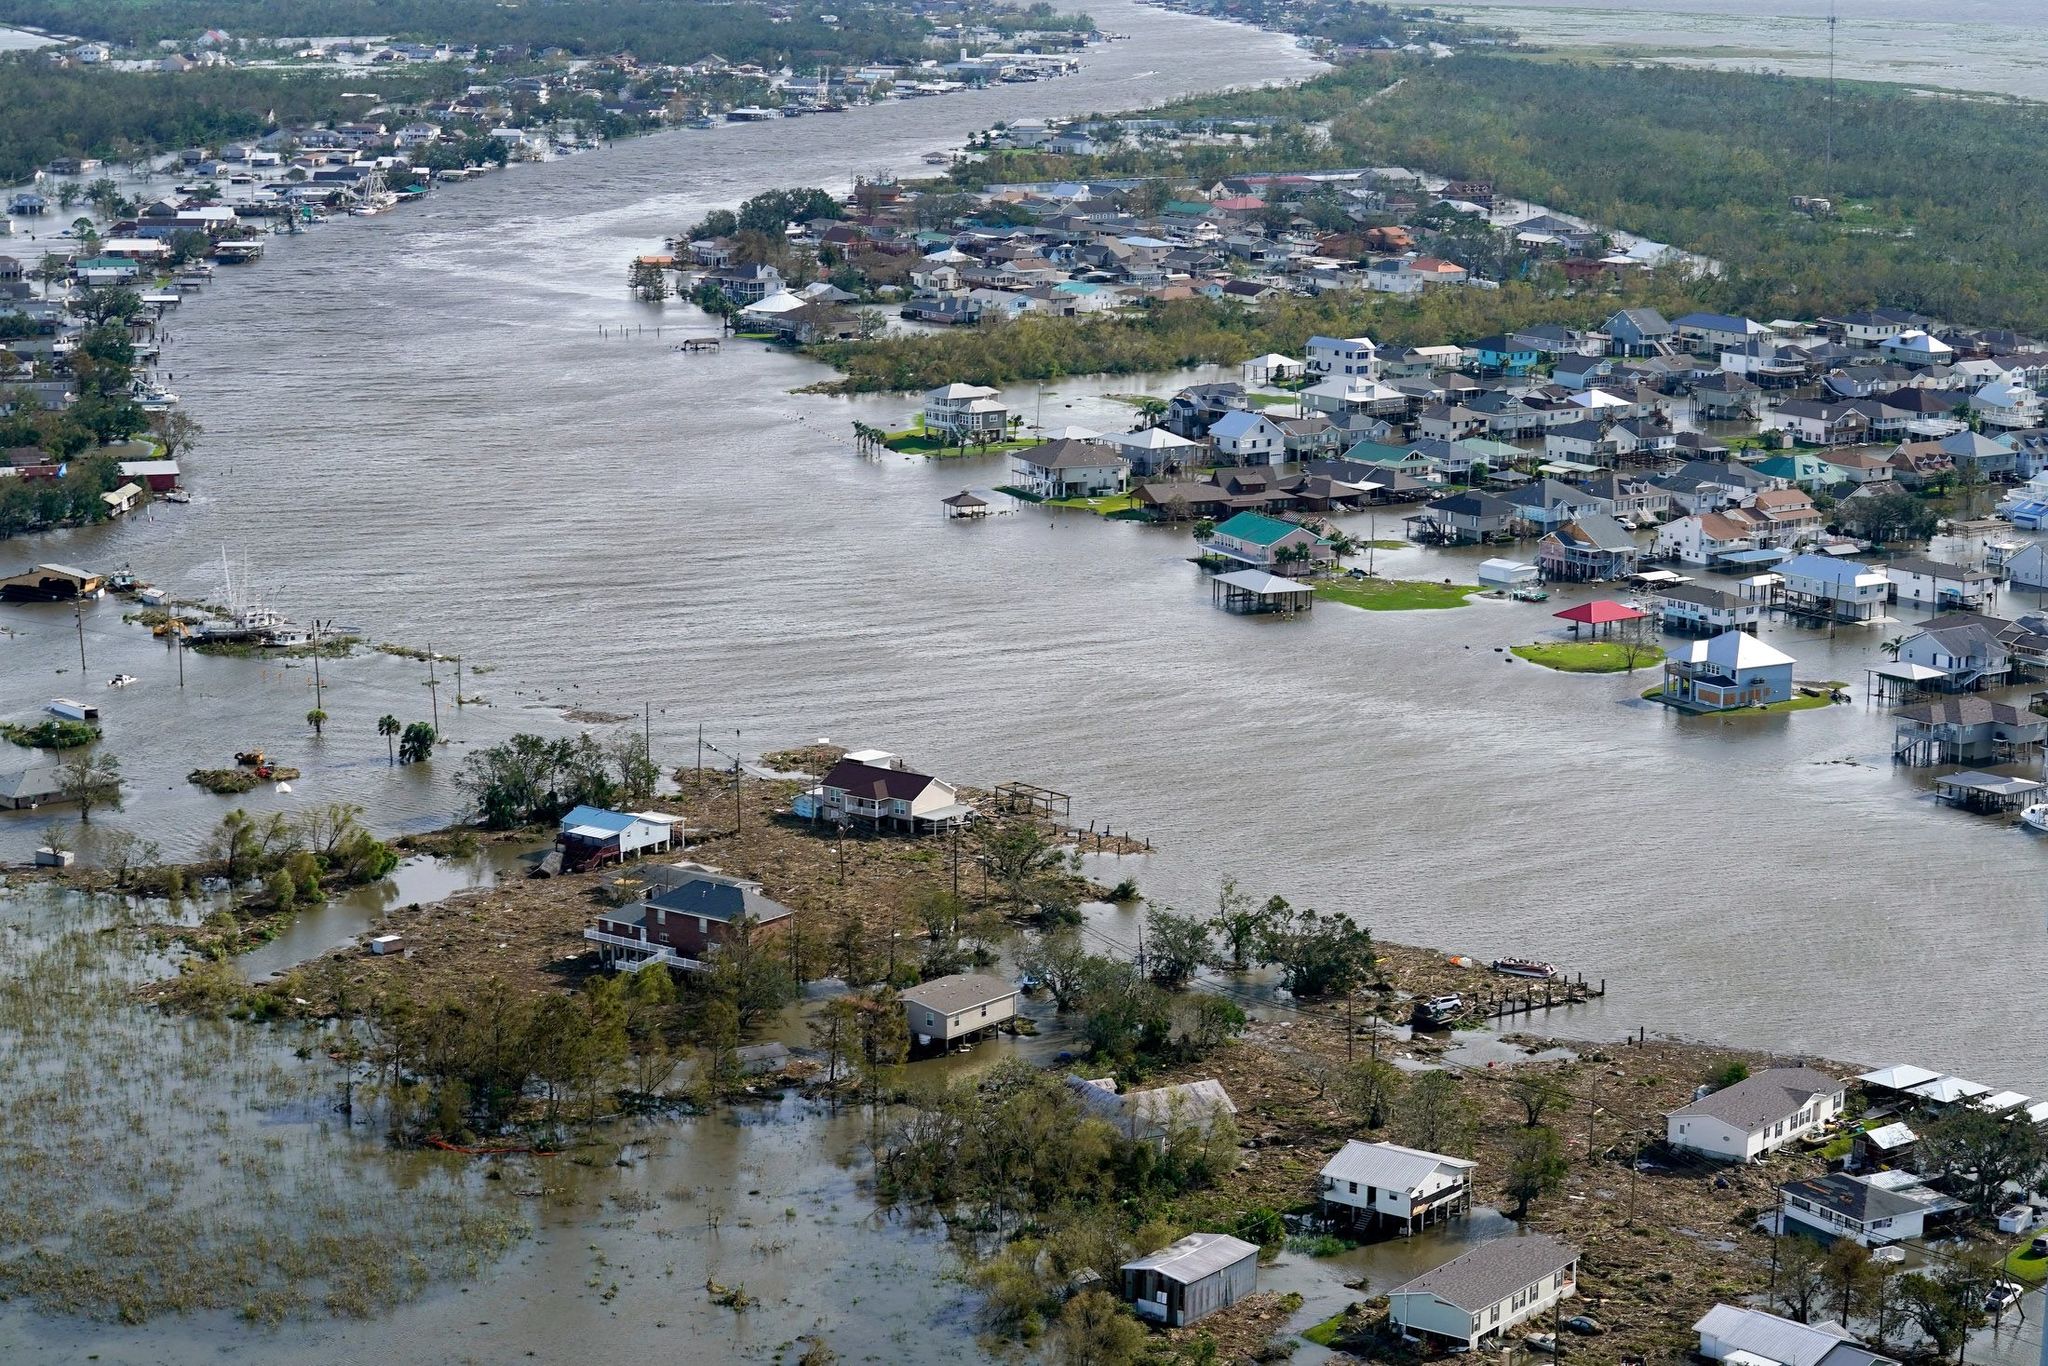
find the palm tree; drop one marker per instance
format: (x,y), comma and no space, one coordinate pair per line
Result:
(1892,647)
(316,718)
(388,727)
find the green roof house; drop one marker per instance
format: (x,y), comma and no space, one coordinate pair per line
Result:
(1268,543)
(1798,467)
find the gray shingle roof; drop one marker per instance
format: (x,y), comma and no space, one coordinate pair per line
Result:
(1492,1271)
(1763,1099)
(961,991)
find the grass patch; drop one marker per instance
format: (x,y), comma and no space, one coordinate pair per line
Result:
(2024,1266)
(1274,400)
(56,733)
(1588,656)
(919,443)
(1107,506)
(1319,1244)
(1798,702)
(1328,1331)
(1394,595)
(1386,545)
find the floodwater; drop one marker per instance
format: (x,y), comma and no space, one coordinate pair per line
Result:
(1978,45)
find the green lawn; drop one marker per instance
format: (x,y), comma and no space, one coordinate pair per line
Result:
(1588,656)
(2022,1266)
(1385,545)
(915,442)
(1394,595)
(1274,400)
(1325,1333)
(1113,503)
(1797,702)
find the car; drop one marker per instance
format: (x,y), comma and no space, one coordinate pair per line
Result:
(1545,1343)
(2039,1247)
(1585,1325)
(2002,1295)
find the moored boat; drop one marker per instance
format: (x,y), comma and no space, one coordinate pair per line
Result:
(122,680)
(2035,817)
(1524,967)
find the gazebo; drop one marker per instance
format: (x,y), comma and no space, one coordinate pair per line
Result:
(1254,590)
(1601,613)
(964,504)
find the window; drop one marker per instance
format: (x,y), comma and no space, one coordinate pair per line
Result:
(1354,1188)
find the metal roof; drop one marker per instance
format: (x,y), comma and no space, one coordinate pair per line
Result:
(1772,1338)
(961,991)
(1948,1090)
(1196,1257)
(1390,1165)
(1260,582)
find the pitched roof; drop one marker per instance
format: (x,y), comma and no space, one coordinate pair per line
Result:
(720,898)
(597,818)
(1597,531)
(961,991)
(1258,528)
(866,780)
(1736,650)
(1194,1257)
(1492,1271)
(1767,1337)
(1068,454)
(1763,1099)
(1860,1200)
(1390,1165)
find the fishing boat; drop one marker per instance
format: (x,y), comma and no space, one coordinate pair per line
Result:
(1527,593)
(2035,817)
(177,496)
(1524,967)
(123,580)
(122,680)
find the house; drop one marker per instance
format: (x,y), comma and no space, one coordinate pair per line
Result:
(1268,543)
(590,836)
(1487,1291)
(1192,411)
(27,788)
(1970,650)
(884,794)
(1730,670)
(1814,423)
(1889,1207)
(1709,334)
(1588,549)
(1386,1185)
(1342,356)
(123,500)
(1188,1280)
(965,412)
(1857,466)
(1248,438)
(2027,567)
(1781,515)
(1154,450)
(1696,609)
(1918,464)
(159,476)
(1464,519)
(1916,348)
(1751,1337)
(1503,355)
(689,911)
(747,284)
(1888,1147)
(1156,1113)
(1843,589)
(1938,584)
(2007,404)
(1356,394)
(1966,730)
(1546,503)
(1638,332)
(948,1009)
(1757,1115)
(1070,469)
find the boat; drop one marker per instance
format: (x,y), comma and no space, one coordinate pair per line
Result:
(1528,594)
(177,496)
(1524,967)
(72,711)
(123,580)
(122,680)
(250,758)
(2035,817)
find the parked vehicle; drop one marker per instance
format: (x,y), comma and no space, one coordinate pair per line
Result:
(1585,1325)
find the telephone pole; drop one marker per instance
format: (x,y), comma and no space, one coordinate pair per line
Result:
(78,618)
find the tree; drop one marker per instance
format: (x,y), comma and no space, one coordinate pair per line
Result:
(1094,1330)
(649,1016)
(1175,946)
(1060,964)
(1318,955)
(120,852)
(834,1030)
(1015,854)
(1535,1093)
(748,976)
(1640,642)
(316,718)
(1536,1167)
(416,745)
(882,1038)
(1435,1115)
(1946,1306)
(1854,1281)
(1238,921)
(1370,1089)
(1729,1073)
(176,431)
(90,777)
(1977,1154)
(1801,1277)
(388,727)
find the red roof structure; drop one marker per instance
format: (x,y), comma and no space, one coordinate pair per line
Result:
(1600,612)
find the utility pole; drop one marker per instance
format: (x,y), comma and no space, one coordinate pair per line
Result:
(434,687)
(458,682)
(317,694)
(1349,1034)
(700,750)
(1592,1108)
(78,617)
(179,635)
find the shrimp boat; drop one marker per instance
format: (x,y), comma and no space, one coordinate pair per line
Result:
(1525,967)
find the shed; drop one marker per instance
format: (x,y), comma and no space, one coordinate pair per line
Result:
(1499,573)
(1191,1279)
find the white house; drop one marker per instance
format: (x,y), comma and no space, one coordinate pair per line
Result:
(1387,1184)
(1756,1115)
(1886,1207)
(1243,437)
(949,1008)
(1840,588)
(1750,1336)
(1069,469)
(878,790)
(1343,356)
(1936,583)
(1489,1290)
(590,835)
(1499,573)
(964,412)
(1355,394)
(1699,610)
(2007,403)
(1700,538)
(1914,347)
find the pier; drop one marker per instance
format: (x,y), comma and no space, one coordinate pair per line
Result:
(1507,1003)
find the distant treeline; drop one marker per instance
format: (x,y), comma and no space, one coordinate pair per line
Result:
(653,30)
(48,112)
(1937,202)
(1201,332)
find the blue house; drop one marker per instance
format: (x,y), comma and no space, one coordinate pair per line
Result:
(1504,355)
(1732,670)
(1638,332)
(591,836)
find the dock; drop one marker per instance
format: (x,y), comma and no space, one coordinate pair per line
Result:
(1507,1003)
(693,345)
